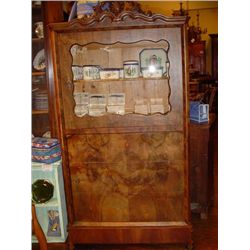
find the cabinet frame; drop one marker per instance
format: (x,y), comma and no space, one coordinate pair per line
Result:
(120,232)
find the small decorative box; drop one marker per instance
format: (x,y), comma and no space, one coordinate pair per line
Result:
(45,150)
(81,110)
(199,112)
(131,69)
(142,107)
(116,103)
(157,106)
(82,103)
(152,72)
(97,104)
(116,99)
(77,72)
(91,72)
(110,73)
(81,98)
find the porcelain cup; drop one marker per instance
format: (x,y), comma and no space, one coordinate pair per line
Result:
(39,29)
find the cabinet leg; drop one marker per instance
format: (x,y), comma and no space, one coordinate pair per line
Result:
(203,216)
(190,246)
(71,245)
(204,213)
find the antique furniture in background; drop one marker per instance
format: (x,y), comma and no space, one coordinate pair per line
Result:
(42,118)
(195,32)
(126,176)
(42,97)
(52,215)
(197,57)
(201,165)
(40,114)
(214,42)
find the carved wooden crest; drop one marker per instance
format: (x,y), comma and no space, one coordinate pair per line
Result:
(117,7)
(113,14)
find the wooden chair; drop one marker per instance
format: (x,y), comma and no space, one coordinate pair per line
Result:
(37,230)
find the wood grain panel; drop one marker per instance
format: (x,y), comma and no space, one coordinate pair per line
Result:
(127,177)
(126,235)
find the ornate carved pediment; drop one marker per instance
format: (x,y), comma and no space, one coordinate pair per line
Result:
(118,14)
(117,7)
(115,11)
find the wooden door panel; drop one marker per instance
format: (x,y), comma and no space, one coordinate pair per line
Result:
(118,175)
(102,195)
(155,147)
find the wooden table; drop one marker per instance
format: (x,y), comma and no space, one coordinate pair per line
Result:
(201,165)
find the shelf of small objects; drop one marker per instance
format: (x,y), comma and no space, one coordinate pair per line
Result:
(129,72)
(121,79)
(99,104)
(96,99)
(112,102)
(51,203)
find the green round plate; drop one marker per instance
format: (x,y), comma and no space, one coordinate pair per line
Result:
(42,191)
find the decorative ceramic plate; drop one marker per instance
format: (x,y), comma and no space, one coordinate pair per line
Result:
(39,60)
(42,191)
(155,57)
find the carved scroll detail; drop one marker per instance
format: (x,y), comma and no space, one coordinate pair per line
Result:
(124,16)
(117,7)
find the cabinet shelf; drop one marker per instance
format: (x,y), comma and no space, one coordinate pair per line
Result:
(36,6)
(39,112)
(38,73)
(36,39)
(144,96)
(52,203)
(40,165)
(121,80)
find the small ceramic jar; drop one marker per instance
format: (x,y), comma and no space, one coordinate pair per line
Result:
(39,29)
(131,69)
(91,72)
(77,72)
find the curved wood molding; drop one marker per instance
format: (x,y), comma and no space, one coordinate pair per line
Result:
(125,18)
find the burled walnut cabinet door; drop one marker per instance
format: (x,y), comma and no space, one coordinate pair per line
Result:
(125,175)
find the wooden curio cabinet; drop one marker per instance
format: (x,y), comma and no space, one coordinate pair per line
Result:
(123,137)
(197,56)
(43,12)
(40,111)
(214,42)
